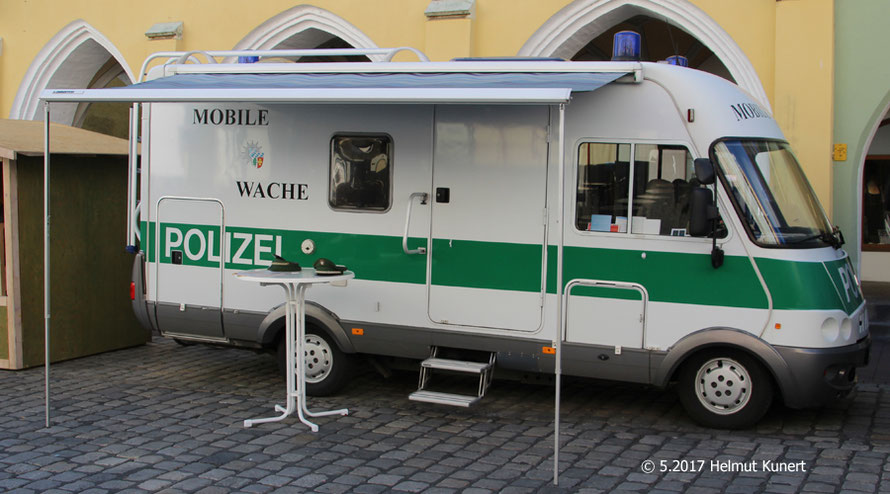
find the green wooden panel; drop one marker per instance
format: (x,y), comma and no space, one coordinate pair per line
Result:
(4,334)
(90,270)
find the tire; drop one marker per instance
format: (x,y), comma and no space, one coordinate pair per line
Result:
(725,389)
(328,369)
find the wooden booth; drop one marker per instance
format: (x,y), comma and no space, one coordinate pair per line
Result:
(90,269)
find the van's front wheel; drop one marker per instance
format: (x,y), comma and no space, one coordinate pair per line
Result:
(327,368)
(725,389)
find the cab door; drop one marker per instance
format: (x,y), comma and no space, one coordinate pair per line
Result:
(488,235)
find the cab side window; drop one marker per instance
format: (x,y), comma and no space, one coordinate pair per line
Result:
(661,199)
(603,178)
(361,172)
(634,188)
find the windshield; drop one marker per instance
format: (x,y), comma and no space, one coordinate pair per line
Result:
(772,194)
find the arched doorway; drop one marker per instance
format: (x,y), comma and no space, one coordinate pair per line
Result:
(77,57)
(659,41)
(874,203)
(583,31)
(307,27)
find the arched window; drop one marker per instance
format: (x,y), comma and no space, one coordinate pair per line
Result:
(659,40)
(583,29)
(77,57)
(307,27)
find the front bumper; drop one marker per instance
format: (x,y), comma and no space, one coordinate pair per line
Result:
(820,375)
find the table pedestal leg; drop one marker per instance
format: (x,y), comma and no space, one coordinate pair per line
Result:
(301,340)
(295,337)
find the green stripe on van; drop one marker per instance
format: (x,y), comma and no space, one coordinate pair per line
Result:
(811,285)
(667,276)
(376,257)
(490,265)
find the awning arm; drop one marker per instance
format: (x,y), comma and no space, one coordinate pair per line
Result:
(132,175)
(46,125)
(560,320)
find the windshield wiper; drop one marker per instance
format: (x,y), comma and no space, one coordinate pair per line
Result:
(833,238)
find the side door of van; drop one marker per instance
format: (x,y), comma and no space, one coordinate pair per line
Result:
(188,268)
(488,234)
(186,233)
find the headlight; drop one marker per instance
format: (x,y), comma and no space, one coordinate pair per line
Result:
(846,329)
(830,329)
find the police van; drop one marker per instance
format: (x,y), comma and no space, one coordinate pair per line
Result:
(648,219)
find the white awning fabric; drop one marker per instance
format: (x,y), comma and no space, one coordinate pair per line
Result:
(496,88)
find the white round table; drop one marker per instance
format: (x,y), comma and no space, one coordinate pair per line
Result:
(295,284)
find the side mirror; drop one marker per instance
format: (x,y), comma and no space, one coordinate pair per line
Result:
(704,171)
(701,207)
(703,218)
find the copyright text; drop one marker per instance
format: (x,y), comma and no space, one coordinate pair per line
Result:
(725,466)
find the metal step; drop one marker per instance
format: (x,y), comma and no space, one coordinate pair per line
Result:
(444,398)
(456,365)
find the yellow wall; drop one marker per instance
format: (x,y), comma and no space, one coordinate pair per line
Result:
(27,25)
(789,43)
(448,38)
(752,25)
(804,83)
(503,26)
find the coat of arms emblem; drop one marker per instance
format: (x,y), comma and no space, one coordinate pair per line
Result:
(253,154)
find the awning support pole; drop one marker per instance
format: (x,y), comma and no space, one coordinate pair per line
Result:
(560,322)
(46,124)
(131,179)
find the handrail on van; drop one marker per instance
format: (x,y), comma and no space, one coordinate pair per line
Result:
(387,54)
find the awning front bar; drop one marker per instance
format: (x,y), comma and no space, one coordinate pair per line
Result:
(315,95)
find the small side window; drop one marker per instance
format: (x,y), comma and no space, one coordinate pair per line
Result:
(361,172)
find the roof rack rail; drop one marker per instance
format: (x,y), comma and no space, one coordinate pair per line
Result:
(509,59)
(180,57)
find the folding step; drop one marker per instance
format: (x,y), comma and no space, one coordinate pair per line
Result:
(456,365)
(485,371)
(444,398)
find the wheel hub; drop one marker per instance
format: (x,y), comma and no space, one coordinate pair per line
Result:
(318,359)
(723,386)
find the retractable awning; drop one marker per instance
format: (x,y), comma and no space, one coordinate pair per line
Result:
(548,88)
(481,87)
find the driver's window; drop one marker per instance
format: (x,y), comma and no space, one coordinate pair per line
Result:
(661,200)
(361,172)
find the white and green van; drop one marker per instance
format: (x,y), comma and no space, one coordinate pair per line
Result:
(665,201)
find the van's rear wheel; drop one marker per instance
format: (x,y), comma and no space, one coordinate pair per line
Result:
(725,389)
(327,368)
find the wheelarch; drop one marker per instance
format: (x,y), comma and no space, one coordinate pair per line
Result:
(729,338)
(272,326)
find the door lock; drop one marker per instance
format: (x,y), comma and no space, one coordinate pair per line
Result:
(443,195)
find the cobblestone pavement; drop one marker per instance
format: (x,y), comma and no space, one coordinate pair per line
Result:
(166,418)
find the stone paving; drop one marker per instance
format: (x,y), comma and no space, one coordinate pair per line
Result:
(166,418)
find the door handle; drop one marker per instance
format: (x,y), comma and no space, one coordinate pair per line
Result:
(423,198)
